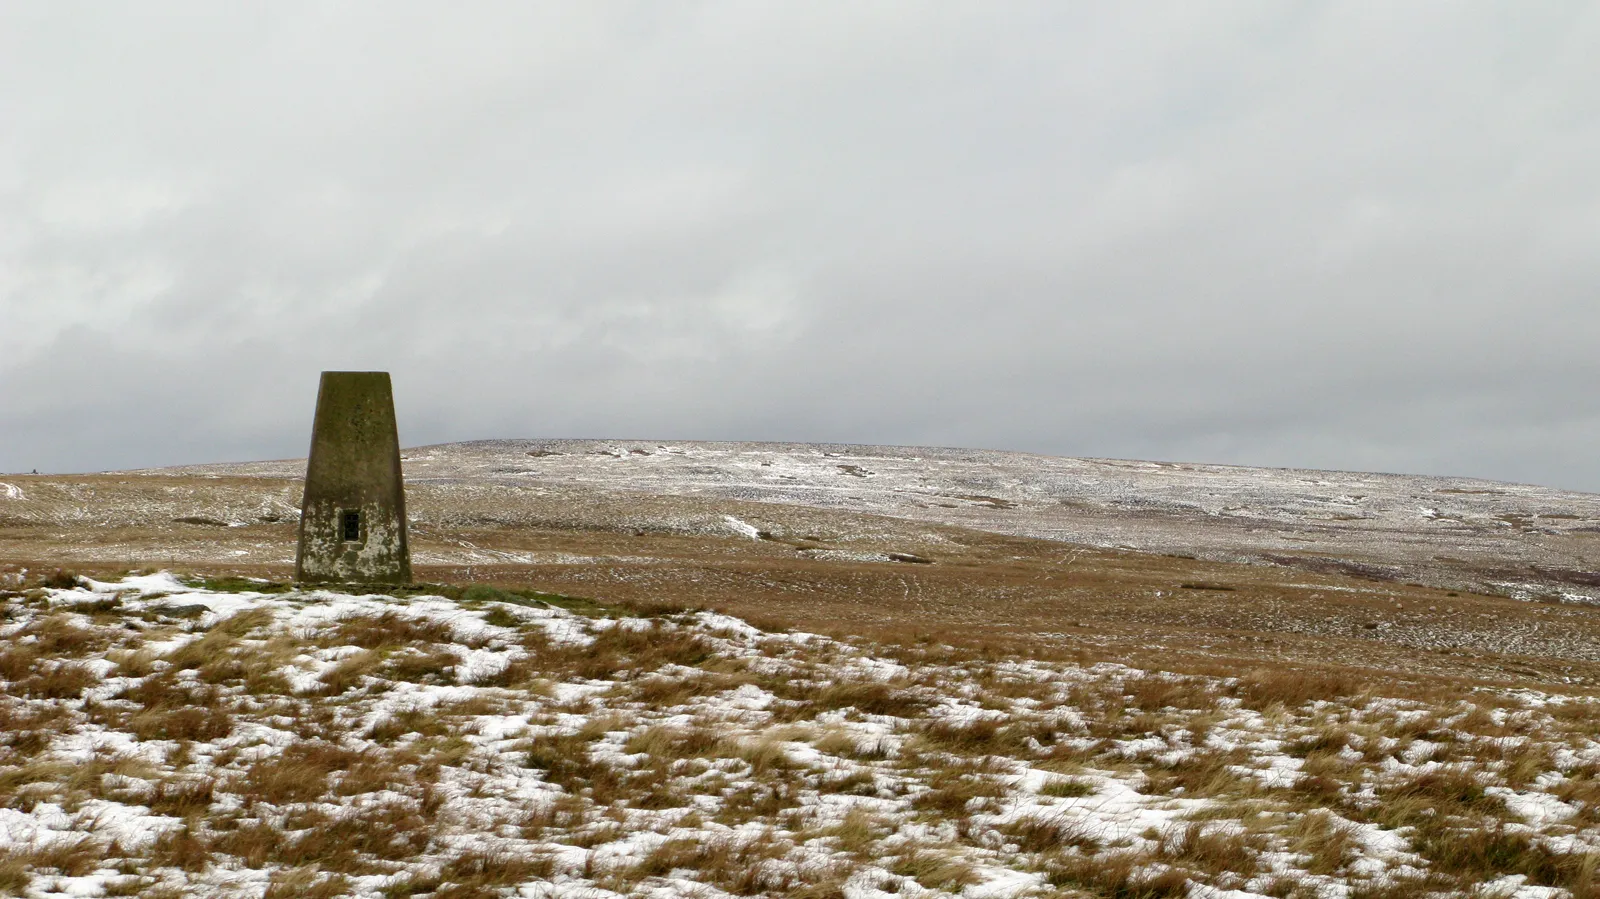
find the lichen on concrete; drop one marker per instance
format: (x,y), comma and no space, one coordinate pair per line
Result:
(354,467)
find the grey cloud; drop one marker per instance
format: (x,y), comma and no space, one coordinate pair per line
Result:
(1342,235)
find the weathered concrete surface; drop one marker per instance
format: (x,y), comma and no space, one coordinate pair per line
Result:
(353,486)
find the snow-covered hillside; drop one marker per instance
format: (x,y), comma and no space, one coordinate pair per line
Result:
(1456,533)
(167,738)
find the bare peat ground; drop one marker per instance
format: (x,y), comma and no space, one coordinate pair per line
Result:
(1259,728)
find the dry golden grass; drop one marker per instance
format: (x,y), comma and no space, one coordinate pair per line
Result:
(299,773)
(478,871)
(1128,875)
(175,710)
(1203,773)
(858,832)
(1066,788)
(1327,842)
(1052,833)
(981,736)
(743,867)
(181,798)
(306,883)
(343,791)
(388,630)
(20,865)
(1211,849)
(57,680)
(934,869)
(670,743)
(955,792)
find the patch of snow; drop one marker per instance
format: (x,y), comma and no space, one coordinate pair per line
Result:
(160,582)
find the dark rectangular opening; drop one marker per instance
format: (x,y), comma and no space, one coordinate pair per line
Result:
(351,521)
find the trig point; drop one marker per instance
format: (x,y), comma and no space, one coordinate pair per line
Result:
(353,518)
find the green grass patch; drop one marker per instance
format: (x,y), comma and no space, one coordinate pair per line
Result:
(1066,789)
(536,599)
(238,585)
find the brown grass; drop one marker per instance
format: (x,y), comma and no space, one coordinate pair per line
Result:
(672,743)
(476,871)
(1477,854)
(737,866)
(1066,788)
(858,832)
(946,770)
(436,666)
(1327,842)
(306,883)
(1293,687)
(627,648)
(871,698)
(53,639)
(299,773)
(981,736)
(956,793)
(57,680)
(1051,833)
(1202,773)
(172,710)
(350,671)
(1211,849)
(1119,875)
(566,763)
(71,858)
(408,722)
(934,869)
(388,630)
(350,841)
(1440,792)
(1154,692)
(181,798)
(181,848)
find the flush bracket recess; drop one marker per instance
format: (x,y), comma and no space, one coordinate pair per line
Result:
(350,523)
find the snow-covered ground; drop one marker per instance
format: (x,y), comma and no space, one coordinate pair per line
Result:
(168,738)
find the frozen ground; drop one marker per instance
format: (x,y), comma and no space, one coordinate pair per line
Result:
(1456,533)
(167,738)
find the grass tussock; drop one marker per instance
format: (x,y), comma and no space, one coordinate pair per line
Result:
(934,869)
(1118,875)
(1211,849)
(306,883)
(981,736)
(1293,688)
(957,793)
(389,630)
(743,867)
(1206,774)
(1066,788)
(895,700)
(298,774)
(1327,842)
(1052,833)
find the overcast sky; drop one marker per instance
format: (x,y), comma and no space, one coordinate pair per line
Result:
(1338,235)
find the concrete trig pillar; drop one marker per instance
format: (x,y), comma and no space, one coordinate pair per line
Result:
(353,518)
